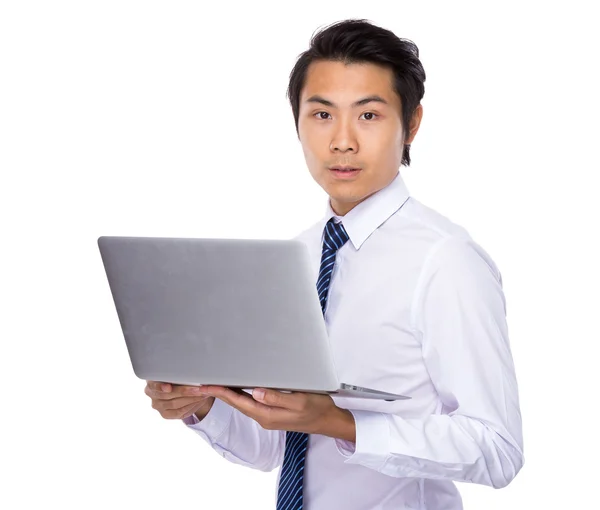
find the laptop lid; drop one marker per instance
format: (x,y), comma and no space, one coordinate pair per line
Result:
(227,312)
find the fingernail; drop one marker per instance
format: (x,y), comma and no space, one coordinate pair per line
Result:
(258,394)
(166,388)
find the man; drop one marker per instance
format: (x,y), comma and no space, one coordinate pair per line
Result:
(412,305)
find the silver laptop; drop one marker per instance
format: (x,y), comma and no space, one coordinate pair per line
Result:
(227,312)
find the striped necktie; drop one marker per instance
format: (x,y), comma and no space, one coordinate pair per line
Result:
(289,496)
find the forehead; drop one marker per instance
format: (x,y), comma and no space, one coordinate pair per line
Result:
(344,83)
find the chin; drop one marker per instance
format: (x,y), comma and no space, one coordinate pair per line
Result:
(346,199)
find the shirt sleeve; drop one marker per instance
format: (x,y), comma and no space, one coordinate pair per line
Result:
(459,312)
(238,438)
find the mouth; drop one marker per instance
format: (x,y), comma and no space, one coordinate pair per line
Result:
(344,172)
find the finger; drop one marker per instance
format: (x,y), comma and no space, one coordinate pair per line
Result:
(191,390)
(152,385)
(274,398)
(180,403)
(177,391)
(159,395)
(160,386)
(240,400)
(167,387)
(176,403)
(181,412)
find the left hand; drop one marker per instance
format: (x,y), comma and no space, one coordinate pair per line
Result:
(300,412)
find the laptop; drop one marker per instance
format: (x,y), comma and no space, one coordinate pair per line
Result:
(230,312)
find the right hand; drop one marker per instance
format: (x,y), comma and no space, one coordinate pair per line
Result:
(175,402)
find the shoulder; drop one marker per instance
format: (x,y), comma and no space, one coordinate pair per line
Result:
(449,245)
(428,220)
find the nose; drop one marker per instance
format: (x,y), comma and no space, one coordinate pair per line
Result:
(343,139)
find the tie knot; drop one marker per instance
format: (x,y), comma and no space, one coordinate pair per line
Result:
(334,235)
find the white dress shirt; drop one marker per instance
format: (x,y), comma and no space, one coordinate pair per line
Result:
(415,307)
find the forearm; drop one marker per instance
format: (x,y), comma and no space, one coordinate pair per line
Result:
(238,438)
(456,447)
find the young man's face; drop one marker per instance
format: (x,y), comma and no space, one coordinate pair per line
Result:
(367,136)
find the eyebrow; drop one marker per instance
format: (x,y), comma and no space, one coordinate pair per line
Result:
(360,102)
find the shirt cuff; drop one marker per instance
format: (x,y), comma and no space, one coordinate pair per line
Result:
(372,446)
(215,422)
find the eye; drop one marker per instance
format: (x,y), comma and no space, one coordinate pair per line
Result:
(320,117)
(370,113)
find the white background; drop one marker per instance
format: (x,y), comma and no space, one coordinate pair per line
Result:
(170,119)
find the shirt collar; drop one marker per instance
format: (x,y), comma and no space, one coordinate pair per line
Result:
(367,216)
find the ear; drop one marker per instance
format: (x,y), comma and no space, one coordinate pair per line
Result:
(415,122)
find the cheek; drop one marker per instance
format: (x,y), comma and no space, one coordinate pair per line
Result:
(389,148)
(313,146)
(311,157)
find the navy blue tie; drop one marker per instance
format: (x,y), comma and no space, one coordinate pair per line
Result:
(289,495)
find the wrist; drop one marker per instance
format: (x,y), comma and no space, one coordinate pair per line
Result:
(340,425)
(205,409)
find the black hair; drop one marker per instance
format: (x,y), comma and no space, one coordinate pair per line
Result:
(359,41)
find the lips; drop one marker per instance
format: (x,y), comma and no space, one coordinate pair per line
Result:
(344,172)
(344,168)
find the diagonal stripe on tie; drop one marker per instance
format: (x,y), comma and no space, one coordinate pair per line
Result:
(289,493)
